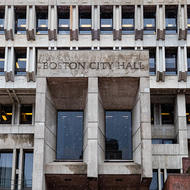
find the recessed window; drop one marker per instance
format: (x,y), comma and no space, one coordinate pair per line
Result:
(188,113)
(118,135)
(20,20)
(5,170)
(5,114)
(20,61)
(154,182)
(171,19)
(106,19)
(152,60)
(188,19)
(163,141)
(70,135)
(26,114)
(171,61)
(128,21)
(27,170)
(167,113)
(85,20)
(63,20)
(42,20)
(2,20)
(149,20)
(188,61)
(2,61)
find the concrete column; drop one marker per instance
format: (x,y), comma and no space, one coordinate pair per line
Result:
(92,128)
(20,175)
(13,170)
(146,142)
(74,22)
(160,22)
(182,64)
(117,32)
(138,22)
(160,63)
(31,22)
(52,22)
(181,126)
(38,181)
(182,22)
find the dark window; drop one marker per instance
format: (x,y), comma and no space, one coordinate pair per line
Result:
(106,19)
(63,20)
(2,19)
(5,170)
(173,171)
(163,141)
(188,19)
(152,61)
(70,135)
(149,20)
(27,174)
(20,20)
(5,114)
(171,19)
(118,135)
(26,114)
(154,182)
(188,113)
(128,21)
(152,114)
(188,61)
(167,113)
(42,21)
(85,19)
(20,64)
(171,61)
(2,61)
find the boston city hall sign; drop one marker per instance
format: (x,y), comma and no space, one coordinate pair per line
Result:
(63,63)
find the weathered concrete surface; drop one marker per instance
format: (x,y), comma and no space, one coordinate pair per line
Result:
(92,63)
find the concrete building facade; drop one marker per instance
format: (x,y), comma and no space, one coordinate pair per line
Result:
(93,57)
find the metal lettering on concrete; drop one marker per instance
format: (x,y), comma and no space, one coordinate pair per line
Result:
(92,63)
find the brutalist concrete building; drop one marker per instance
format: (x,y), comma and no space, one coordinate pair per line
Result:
(94,94)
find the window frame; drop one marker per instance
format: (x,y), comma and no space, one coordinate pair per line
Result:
(20,116)
(39,16)
(2,16)
(21,11)
(70,160)
(118,160)
(2,59)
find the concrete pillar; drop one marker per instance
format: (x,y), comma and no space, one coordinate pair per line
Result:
(182,22)
(38,181)
(13,170)
(20,175)
(160,22)
(146,142)
(74,22)
(182,63)
(138,22)
(95,22)
(31,22)
(92,128)
(160,63)
(181,126)
(52,22)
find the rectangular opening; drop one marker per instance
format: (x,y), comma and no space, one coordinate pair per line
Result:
(188,113)
(149,20)
(171,19)
(63,20)
(164,141)
(6,169)
(41,20)
(20,61)
(85,22)
(167,113)
(2,61)
(154,182)
(188,61)
(69,135)
(188,18)
(118,135)
(171,61)
(26,114)
(5,114)
(2,19)
(27,170)
(128,21)
(20,20)
(106,19)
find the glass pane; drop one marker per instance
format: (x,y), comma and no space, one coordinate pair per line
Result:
(26,114)
(2,22)
(128,20)
(171,61)
(28,168)
(63,20)
(149,21)
(167,113)
(42,23)
(106,19)
(118,135)
(20,65)
(2,62)
(152,61)
(156,141)
(20,24)
(5,170)
(154,182)
(5,114)
(70,135)
(188,113)
(85,20)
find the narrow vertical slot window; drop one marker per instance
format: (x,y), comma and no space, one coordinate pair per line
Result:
(20,20)
(20,64)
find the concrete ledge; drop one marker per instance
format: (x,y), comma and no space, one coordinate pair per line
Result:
(66,168)
(165,149)
(119,168)
(20,129)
